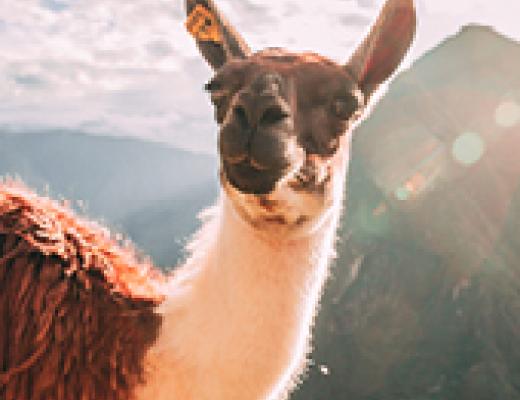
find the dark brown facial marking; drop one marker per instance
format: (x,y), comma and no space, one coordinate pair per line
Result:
(302,220)
(275,109)
(328,101)
(345,106)
(276,219)
(308,178)
(267,204)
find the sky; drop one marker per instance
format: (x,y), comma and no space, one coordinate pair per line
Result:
(128,68)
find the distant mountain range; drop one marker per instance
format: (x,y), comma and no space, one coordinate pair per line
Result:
(147,191)
(424,299)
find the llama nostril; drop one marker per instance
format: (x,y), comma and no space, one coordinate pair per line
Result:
(241,116)
(273,115)
(244,159)
(256,165)
(235,159)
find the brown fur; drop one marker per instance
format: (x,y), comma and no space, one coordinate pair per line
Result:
(77,309)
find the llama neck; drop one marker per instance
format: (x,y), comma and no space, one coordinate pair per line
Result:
(241,310)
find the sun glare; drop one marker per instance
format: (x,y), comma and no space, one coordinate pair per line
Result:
(507,114)
(468,148)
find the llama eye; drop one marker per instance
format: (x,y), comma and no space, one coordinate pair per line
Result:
(212,86)
(344,107)
(220,101)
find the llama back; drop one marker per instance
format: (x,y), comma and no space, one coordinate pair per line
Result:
(77,308)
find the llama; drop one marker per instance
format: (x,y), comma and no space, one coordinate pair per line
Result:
(87,319)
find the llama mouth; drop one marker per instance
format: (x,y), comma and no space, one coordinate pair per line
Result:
(249,179)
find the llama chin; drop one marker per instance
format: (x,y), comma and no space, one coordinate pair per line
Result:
(300,203)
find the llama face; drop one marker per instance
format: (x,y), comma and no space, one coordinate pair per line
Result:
(277,112)
(284,118)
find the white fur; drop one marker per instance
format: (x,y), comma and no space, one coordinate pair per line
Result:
(239,314)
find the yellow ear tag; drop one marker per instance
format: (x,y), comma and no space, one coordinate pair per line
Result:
(203,25)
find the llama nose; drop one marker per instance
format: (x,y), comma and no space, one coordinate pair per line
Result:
(252,117)
(253,143)
(260,137)
(262,103)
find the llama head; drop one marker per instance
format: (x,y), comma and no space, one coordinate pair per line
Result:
(285,119)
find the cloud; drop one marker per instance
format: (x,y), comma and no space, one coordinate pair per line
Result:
(55,5)
(129,68)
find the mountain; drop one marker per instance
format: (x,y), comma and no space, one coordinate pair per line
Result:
(423,302)
(118,181)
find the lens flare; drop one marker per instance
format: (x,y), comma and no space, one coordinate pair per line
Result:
(507,114)
(402,193)
(468,148)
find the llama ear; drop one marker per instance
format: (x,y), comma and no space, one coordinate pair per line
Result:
(217,40)
(384,48)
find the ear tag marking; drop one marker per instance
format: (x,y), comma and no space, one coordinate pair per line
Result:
(202,24)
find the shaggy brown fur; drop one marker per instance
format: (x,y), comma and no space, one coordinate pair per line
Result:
(77,309)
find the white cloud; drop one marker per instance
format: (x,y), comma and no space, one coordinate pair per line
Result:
(129,68)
